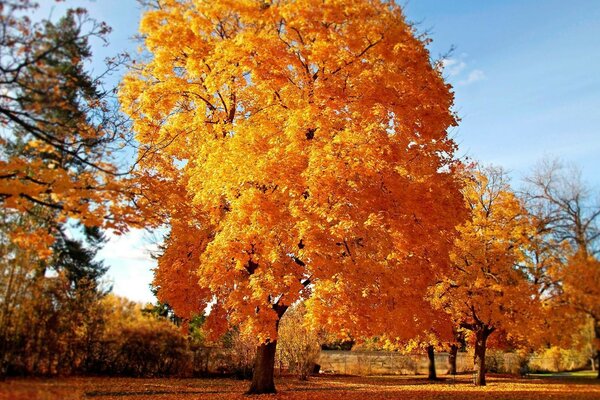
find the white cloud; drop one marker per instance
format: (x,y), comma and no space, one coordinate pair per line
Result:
(475,75)
(130,261)
(136,244)
(453,67)
(457,70)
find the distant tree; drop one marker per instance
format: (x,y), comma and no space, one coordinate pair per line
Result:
(567,210)
(299,344)
(568,241)
(580,291)
(488,288)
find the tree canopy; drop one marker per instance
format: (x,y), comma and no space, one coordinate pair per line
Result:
(299,149)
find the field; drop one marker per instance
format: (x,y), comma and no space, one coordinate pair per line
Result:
(563,386)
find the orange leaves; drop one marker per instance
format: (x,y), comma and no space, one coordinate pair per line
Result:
(581,286)
(38,241)
(488,283)
(310,162)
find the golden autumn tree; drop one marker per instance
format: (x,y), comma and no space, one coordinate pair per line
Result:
(298,150)
(488,288)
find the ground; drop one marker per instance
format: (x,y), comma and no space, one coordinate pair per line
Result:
(559,386)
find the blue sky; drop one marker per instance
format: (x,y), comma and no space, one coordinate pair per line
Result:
(538,91)
(526,75)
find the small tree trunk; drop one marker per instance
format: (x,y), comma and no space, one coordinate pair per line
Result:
(264,368)
(597,332)
(481,336)
(452,359)
(431,356)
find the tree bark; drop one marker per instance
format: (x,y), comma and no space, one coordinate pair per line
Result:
(481,336)
(597,334)
(452,359)
(264,368)
(431,356)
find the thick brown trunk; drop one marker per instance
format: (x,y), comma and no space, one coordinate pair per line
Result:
(264,368)
(452,359)
(431,356)
(481,336)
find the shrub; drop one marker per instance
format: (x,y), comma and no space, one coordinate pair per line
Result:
(298,345)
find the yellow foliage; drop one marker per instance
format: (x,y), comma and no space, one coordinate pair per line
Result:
(298,150)
(488,285)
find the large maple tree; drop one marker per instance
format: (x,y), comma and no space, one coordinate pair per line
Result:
(298,150)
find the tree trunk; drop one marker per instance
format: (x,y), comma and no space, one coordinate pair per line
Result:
(481,336)
(431,356)
(264,368)
(597,332)
(452,359)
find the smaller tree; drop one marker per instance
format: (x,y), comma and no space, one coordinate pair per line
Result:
(433,332)
(299,344)
(581,291)
(568,244)
(458,343)
(488,287)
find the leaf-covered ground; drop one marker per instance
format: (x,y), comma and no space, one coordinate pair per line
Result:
(323,387)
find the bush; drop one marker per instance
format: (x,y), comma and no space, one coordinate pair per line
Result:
(298,345)
(156,350)
(138,344)
(555,359)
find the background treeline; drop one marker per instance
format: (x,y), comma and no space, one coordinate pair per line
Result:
(56,316)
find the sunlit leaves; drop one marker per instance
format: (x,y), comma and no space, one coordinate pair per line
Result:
(299,150)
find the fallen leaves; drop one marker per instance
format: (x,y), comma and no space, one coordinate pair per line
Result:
(322,387)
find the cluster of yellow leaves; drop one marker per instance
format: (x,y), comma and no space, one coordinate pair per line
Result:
(488,283)
(36,241)
(86,196)
(299,150)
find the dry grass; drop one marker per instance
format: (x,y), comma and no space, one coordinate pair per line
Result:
(323,387)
